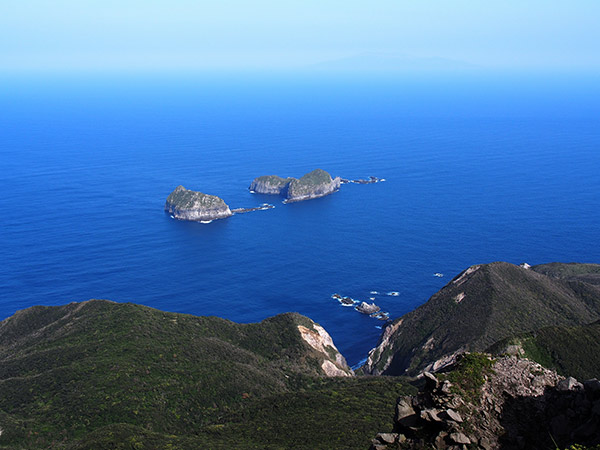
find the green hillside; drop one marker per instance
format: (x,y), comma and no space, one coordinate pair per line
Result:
(102,375)
(485,304)
(572,351)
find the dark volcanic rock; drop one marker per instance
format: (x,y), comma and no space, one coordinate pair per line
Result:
(192,205)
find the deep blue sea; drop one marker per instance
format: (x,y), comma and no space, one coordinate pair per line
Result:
(477,169)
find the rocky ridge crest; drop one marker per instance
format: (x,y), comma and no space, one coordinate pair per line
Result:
(518,405)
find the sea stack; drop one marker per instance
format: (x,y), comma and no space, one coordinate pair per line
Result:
(184,204)
(315,184)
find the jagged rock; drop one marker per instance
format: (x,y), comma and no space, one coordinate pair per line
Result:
(378,446)
(367,308)
(387,438)
(192,205)
(485,444)
(406,416)
(445,389)
(431,380)
(453,415)
(440,440)
(592,386)
(560,426)
(587,430)
(569,384)
(430,415)
(459,438)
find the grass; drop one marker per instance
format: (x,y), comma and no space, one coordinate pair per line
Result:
(108,375)
(469,375)
(572,351)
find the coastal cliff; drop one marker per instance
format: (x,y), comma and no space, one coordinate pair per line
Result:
(315,184)
(185,204)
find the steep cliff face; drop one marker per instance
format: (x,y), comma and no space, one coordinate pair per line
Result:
(270,184)
(315,184)
(192,205)
(334,364)
(481,306)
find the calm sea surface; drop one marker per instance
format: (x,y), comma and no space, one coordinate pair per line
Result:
(477,170)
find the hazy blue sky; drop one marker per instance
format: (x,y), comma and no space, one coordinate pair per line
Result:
(184,34)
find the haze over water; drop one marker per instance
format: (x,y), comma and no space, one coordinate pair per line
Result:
(477,169)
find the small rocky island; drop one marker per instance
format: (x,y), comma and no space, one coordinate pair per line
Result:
(184,204)
(315,184)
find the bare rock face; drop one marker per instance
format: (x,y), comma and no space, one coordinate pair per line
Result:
(315,184)
(334,364)
(192,205)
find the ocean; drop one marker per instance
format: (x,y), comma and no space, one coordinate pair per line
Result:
(477,168)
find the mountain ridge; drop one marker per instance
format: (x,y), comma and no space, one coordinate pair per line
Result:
(476,309)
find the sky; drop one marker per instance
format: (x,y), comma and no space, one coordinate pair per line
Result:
(46,35)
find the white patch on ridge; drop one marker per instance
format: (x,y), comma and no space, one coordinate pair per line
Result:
(460,297)
(319,339)
(460,280)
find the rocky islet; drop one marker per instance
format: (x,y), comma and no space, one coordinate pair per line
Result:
(315,184)
(185,204)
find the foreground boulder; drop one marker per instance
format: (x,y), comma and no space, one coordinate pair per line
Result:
(192,205)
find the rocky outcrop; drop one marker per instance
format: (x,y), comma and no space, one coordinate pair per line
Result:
(315,184)
(192,205)
(367,308)
(519,405)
